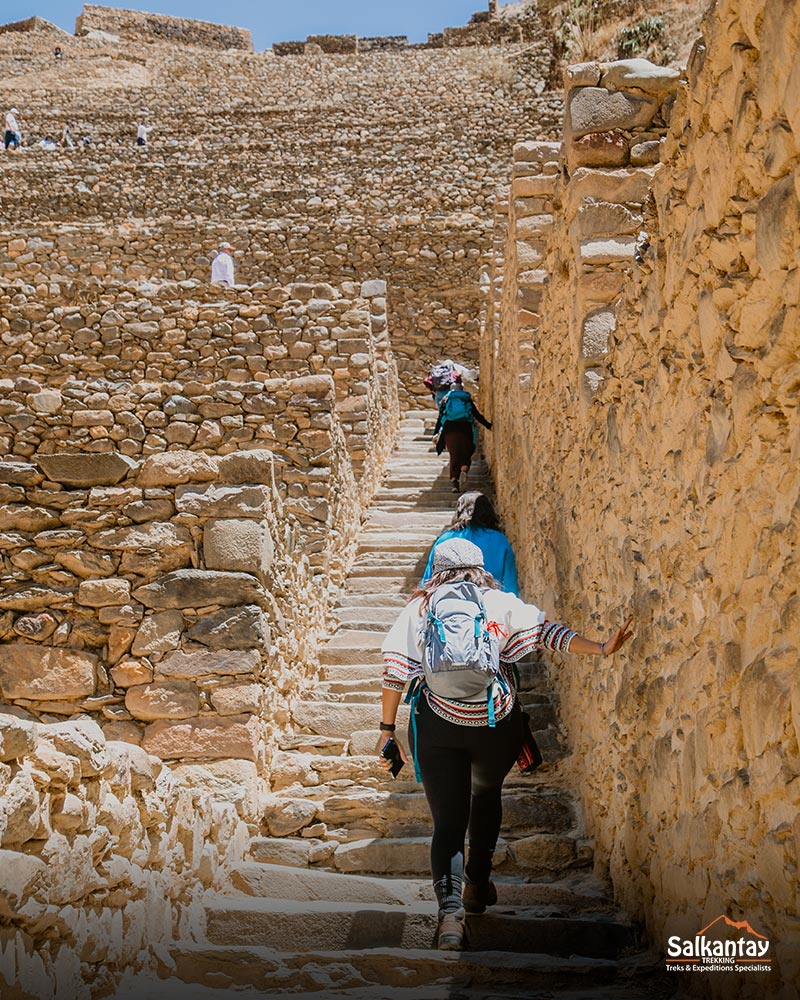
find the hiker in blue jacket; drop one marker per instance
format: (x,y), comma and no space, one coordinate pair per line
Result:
(476,519)
(458,433)
(465,744)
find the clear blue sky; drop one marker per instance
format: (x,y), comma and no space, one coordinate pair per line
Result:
(281,20)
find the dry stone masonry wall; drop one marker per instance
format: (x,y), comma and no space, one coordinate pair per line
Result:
(646,398)
(144,27)
(388,126)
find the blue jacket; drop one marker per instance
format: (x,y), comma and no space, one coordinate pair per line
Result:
(498,556)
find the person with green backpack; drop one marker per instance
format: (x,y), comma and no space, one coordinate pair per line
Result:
(457,431)
(456,643)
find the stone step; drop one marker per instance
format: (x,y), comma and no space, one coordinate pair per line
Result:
(351,646)
(283,882)
(397,601)
(372,619)
(391,520)
(396,541)
(388,559)
(389,812)
(368,687)
(321,924)
(397,974)
(369,584)
(539,855)
(331,718)
(583,894)
(376,571)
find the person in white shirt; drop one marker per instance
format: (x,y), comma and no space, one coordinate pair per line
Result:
(13,136)
(48,143)
(222,266)
(142,133)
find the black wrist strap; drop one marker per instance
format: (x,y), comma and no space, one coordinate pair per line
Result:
(386,727)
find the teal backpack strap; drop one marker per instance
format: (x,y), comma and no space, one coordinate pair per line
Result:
(417,693)
(490,705)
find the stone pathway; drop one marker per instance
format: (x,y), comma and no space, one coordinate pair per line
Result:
(335,901)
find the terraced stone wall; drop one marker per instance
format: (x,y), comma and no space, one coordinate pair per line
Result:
(431,311)
(145,27)
(667,484)
(388,127)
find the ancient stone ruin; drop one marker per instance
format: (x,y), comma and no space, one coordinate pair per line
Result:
(215,500)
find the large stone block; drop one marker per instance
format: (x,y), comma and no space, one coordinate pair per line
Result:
(209,664)
(19,810)
(285,816)
(255,466)
(174,467)
(81,738)
(777,226)
(22,877)
(594,109)
(238,628)
(163,700)
(597,328)
(234,782)
(237,699)
(85,469)
(104,593)
(45,674)
(17,737)
(203,739)
(599,149)
(158,633)
(639,74)
(604,218)
(223,500)
(238,545)
(158,536)
(198,588)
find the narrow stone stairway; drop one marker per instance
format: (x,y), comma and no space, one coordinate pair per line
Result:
(335,899)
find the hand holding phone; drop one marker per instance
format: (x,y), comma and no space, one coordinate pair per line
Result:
(391,752)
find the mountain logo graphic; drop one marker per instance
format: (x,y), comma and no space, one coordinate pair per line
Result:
(740,925)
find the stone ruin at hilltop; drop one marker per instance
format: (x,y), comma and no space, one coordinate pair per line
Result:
(212,500)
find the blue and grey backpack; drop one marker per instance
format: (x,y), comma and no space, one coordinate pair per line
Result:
(460,656)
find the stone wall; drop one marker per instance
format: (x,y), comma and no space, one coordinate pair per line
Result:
(433,312)
(647,463)
(388,127)
(103,850)
(33,24)
(184,475)
(145,27)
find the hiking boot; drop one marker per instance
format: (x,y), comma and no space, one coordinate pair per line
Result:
(478,895)
(450,936)
(462,481)
(454,485)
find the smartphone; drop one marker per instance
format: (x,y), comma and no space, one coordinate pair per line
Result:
(391,751)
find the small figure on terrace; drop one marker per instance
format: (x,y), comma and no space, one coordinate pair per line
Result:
(222,266)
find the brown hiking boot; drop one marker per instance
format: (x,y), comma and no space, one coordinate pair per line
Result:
(450,936)
(478,895)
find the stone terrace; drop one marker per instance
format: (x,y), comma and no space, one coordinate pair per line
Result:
(413,144)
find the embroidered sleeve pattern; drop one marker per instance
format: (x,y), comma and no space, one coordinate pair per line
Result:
(398,670)
(557,637)
(521,643)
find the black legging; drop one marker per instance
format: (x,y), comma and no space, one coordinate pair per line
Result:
(462,769)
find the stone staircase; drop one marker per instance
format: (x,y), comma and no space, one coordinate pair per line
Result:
(335,899)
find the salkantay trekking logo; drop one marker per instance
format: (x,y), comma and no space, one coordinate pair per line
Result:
(716,949)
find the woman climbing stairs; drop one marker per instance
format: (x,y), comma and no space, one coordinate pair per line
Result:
(335,899)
